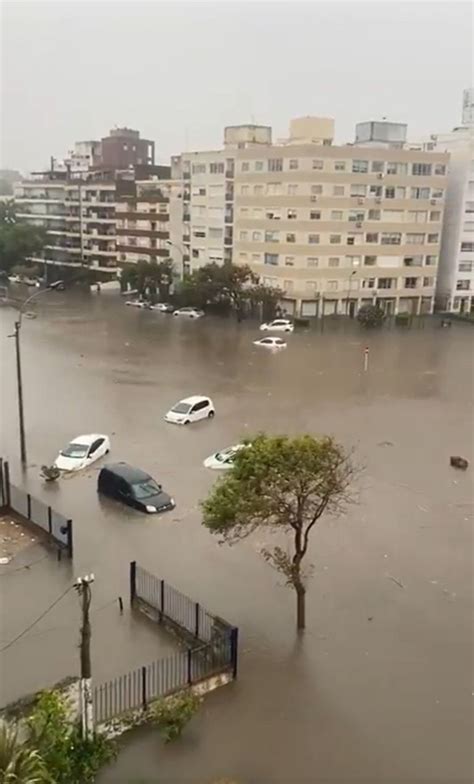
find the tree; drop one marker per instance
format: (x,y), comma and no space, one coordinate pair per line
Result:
(20,764)
(149,277)
(281,484)
(18,240)
(7,211)
(370,316)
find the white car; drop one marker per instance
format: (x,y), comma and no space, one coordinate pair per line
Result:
(222,461)
(82,451)
(278,325)
(189,312)
(136,303)
(270,342)
(191,409)
(162,307)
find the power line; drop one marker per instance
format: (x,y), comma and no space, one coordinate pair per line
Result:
(38,619)
(25,566)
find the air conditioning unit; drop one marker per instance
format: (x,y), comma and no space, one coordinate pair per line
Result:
(360,201)
(380,176)
(378,200)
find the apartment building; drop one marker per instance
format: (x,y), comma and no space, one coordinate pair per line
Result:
(142,221)
(336,227)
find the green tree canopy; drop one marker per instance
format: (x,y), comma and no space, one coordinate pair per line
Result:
(370,316)
(285,484)
(17,240)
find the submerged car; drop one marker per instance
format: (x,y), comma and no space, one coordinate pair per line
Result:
(189,312)
(270,342)
(134,487)
(163,307)
(278,325)
(221,461)
(191,409)
(82,451)
(137,303)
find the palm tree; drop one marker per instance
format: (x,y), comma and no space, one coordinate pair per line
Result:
(20,764)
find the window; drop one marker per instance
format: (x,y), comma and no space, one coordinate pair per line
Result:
(257,213)
(318,164)
(463,285)
(370,261)
(465,266)
(256,256)
(316,189)
(245,166)
(315,215)
(360,167)
(440,168)
(378,166)
(201,233)
(292,190)
(274,188)
(420,193)
(467,247)
(258,190)
(358,190)
(374,215)
(428,281)
(289,261)
(415,239)
(421,169)
(368,283)
(218,168)
(334,239)
(288,286)
(256,236)
(375,190)
(393,216)
(411,283)
(272,215)
(243,256)
(244,212)
(244,190)
(195,253)
(313,239)
(336,214)
(390,192)
(258,165)
(397,168)
(215,190)
(433,238)
(431,261)
(437,193)
(311,286)
(338,190)
(339,165)
(391,238)
(272,236)
(293,163)
(413,261)
(271,258)
(215,233)
(356,215)
(333,261)
(291,214)
(372,237)
(332,285)
(385,283)
(199,168)
(417,216)
(435,216)
(312,261)
(290,237)
(244,235)
(275,164)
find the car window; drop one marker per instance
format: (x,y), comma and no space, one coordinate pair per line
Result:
(96,444)
(122,486)
(181,408)
(75,450)
(145,489)
(266,340)
(199,406)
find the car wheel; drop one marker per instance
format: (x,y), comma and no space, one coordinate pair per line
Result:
(187,422)
(211,414)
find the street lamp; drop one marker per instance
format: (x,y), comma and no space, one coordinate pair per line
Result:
(180,249)
(16,335)
(349,286)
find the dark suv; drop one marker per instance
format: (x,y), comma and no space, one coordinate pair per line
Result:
(134,488)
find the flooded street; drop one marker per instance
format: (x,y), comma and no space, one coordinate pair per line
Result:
(379,689)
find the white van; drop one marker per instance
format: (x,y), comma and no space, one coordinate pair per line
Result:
(191,409)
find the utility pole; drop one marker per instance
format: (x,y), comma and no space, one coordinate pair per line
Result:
(21,417)
(83,588)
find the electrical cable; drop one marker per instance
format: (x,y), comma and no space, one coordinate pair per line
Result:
(38,619)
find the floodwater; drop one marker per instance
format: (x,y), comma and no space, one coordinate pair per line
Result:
(379,689)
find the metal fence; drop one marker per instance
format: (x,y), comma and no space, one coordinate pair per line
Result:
(57,527)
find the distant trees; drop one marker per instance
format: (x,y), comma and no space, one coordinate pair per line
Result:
(18,240)
(370,316)
(148,278)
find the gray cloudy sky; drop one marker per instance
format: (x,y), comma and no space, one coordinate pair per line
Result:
(180,71)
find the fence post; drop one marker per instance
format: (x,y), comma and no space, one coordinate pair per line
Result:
(50,520)
(234,650)
(69,538)
(162,598)
(144,702)
(7,484)
(190,666)
(133,581)
(196,623)
(28,506)
(2,489)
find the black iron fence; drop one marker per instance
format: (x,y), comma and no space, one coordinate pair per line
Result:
(56,527)
(213,650)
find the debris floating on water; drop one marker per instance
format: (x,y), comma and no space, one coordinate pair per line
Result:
(458,462)
(395,580)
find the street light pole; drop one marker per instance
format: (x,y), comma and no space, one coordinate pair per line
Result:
(349,286)
(83,587)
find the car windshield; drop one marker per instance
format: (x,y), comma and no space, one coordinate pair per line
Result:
(225,455)
(75,450)
(181,408)
(146,489)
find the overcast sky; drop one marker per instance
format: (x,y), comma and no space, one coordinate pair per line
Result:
(180,71)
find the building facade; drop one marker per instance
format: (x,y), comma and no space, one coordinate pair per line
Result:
(142,223)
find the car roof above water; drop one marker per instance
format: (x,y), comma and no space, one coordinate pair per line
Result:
(194,399)
(127,472)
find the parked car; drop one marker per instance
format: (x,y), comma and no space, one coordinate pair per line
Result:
(189,312)
(221,461)
(270,342)
(278,325)
(82,451)
(163,307)
(134,487)
(191,409)
(137,303)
